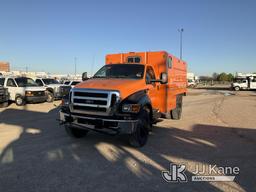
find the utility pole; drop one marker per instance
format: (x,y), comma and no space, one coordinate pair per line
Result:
(181,31)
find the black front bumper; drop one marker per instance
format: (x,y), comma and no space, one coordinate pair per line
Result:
(36,99)
(103,125)
(3,98)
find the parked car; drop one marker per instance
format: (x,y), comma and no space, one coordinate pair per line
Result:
(67,86)
(4,96)
(71,83)
(126,96)
(23,89)
(52,87)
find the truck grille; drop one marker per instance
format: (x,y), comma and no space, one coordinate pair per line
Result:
(94,102)
(39,93)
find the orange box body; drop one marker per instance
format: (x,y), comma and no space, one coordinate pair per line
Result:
(163,96)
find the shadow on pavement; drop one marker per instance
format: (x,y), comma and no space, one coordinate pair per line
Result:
(44,158)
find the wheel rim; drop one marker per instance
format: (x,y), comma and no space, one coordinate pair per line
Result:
(49,97)
(19,101)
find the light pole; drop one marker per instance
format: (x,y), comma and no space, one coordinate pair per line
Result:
(181,31)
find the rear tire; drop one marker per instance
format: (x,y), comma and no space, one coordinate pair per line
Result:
(74,132)
(140,135)
(19,101)
(50,97)
(176,113)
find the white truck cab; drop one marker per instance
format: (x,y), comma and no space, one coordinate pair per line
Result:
(23,89)
(245,82)
(52,87)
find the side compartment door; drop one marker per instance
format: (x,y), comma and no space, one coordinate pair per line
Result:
(253,83)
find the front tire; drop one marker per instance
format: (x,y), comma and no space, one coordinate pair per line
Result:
(19,101)
(50,97)
(74,132)
(236,88)
(140,135)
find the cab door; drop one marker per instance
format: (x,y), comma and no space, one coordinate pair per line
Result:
(152,87)
(11,85)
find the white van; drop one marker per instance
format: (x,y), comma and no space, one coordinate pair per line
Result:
(23,89)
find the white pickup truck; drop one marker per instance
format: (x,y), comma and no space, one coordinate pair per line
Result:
(23,89)
(244,83)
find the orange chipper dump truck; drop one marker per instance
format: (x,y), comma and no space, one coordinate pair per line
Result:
(126,96)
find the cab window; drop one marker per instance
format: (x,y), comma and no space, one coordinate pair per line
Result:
(11,83)
(39,82)
(2,81)
(150,75)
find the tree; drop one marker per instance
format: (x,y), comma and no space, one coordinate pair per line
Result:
(225,77)
(222,77)
(230,77)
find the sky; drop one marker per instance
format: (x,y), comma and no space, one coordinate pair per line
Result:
(47,35)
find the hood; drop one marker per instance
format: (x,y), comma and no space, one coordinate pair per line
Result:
(126,87)
(35,89)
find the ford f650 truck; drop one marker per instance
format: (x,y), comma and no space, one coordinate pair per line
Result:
(126,96)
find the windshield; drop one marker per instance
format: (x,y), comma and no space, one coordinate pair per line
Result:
(130,71)
(50,81)
(75,82)
(25,82)
(240,80)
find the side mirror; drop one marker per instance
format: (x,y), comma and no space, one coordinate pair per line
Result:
(84,76)
(164,78)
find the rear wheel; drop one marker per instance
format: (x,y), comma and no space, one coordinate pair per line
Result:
(19,101)
(140,136)
(176,113)
(50,97)
(74,132)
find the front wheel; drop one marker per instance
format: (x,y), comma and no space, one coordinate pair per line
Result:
(237,88)
(50,97)
(74,132)
(140,135)
(19,101)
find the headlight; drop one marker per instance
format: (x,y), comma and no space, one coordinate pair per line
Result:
(131,108)
(29,93)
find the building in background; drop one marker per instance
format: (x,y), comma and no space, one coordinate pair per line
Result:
(4,66)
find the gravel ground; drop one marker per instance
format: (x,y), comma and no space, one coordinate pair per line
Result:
(217,128)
